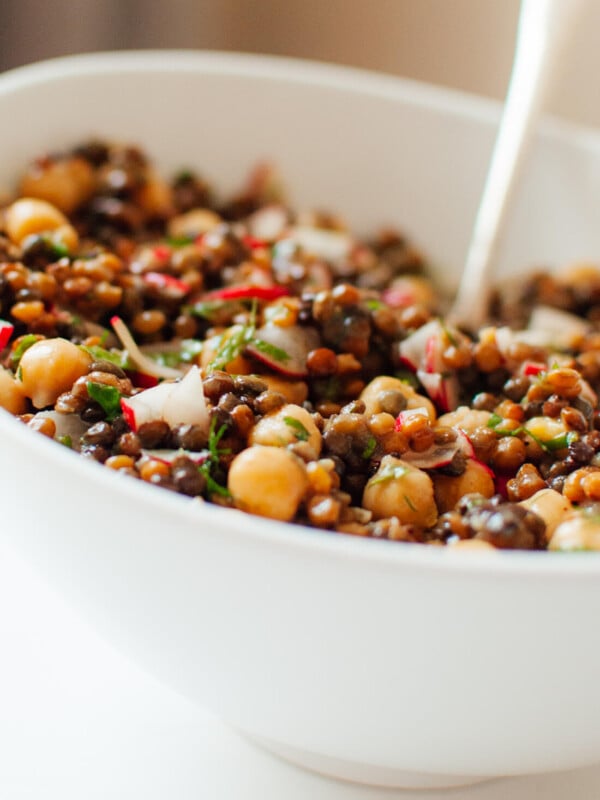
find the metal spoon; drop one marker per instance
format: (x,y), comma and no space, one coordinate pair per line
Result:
(544,31)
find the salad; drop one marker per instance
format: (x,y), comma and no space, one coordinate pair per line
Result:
(243,353)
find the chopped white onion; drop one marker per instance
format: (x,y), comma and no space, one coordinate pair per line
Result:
(141,361)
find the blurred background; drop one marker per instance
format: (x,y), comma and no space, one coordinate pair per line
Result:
(465,44)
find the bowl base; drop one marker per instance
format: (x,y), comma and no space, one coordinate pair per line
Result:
(368,774)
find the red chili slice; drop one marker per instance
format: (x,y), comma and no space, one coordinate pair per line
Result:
(6,331)
(248,291)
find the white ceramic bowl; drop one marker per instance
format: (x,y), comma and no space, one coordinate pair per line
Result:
(374,661)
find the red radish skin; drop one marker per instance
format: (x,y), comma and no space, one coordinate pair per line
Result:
(163,281)
(534,368)
(6,331)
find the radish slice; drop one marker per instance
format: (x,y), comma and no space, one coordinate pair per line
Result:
(284,350)
(177,403)
(465,444)
(408,414)
(533,368)
(417,350)
(185,405)
(6,331)
(441,455)
(146,406)
(163,281)
(145,364)
(333,246)
(442,390)
(268,223)
(434,458)
(141,380)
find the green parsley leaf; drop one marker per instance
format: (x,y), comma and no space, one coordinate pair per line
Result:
(271,350)
(24,344)
(214,451)
(449,335)
(66,441)
(374,305)
(300,431)
(233,346)
(409,503)
(179,241)
(107,397)
(495,420)
(370,447)
(116,357)
(388,473)
(206,309)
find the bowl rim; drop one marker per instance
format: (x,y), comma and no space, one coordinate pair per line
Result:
(381,553)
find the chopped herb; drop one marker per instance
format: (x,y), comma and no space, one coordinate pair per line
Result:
(107,397)
(556,443)
(271,350)
(232,346)
(370,447)
(495,420)
(20,373)
(212,460)
(66,441)
(561,441)
(449,335)
(409,503)
(187,353)
(388,473)
(374,305)
(179,241)
(299,430)
(25,342)
(207,309)
(117,357)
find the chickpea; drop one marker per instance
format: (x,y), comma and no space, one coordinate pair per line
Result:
(551,506)
(400,490)
(449,489)
(12,397)
(29,215)
(66,183)
(268,481)
(384,383)
(49,368)
(289,424)
(294,391)
(193,223)
(577,532)
(465,418)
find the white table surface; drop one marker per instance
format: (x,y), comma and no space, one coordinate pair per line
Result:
(79,722)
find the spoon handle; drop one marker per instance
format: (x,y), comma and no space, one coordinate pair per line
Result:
(544,31)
